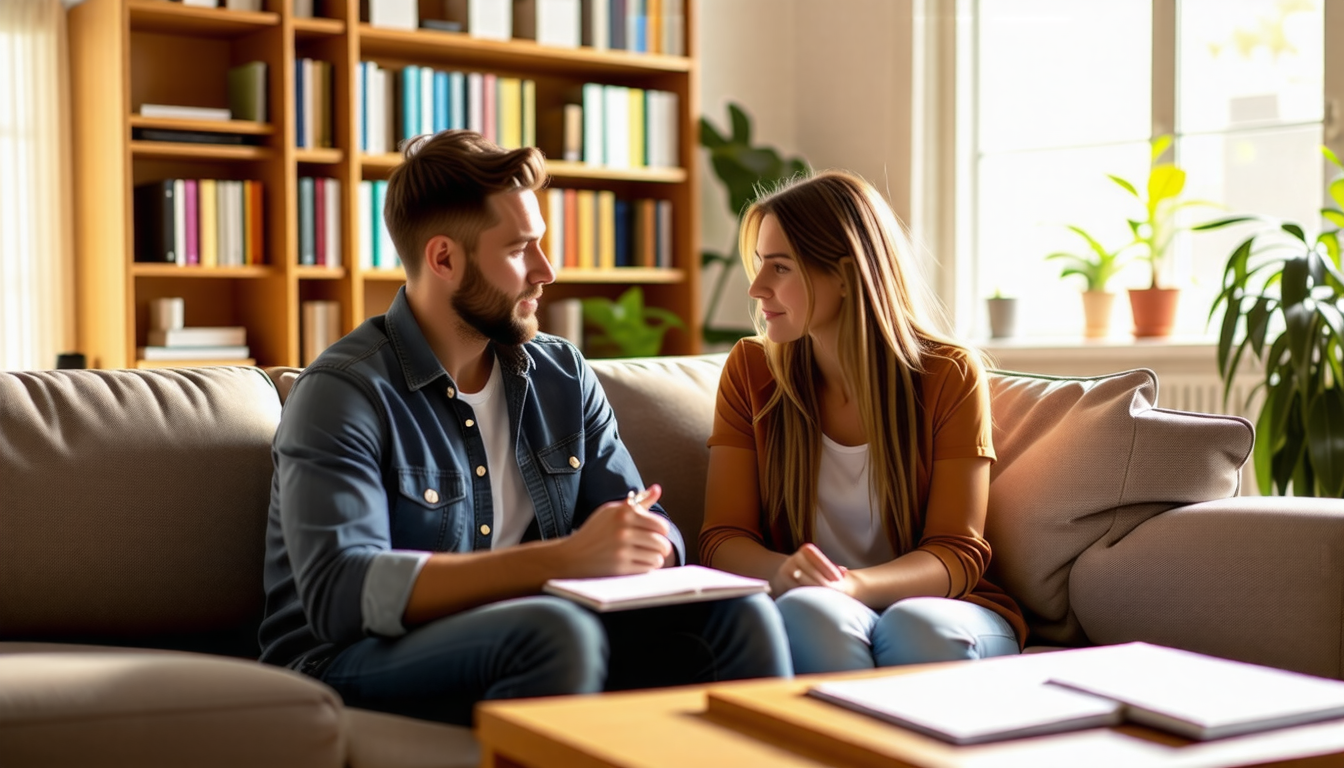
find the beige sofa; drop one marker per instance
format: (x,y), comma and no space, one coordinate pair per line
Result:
(133,505)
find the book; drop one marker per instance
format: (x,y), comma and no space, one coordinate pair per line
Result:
(1202,697)
(180,221)
(593,24)
(307,225)
(394,14)
(320,326)
(549,22)
(572,133)
(243,5)
(154,222)
(333,221)
(229,352)
(616,128)
(509,114)
(192,137)
(184,113)
(972,705)
(529,116)
(303,9)
(606,229)
(665,586)
(247,91)
(594,142)
(208,229)
(200,336)
(192,215)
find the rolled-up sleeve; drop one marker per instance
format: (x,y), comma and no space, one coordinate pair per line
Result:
(333,510)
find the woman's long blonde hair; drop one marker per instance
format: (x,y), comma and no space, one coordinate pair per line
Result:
(837,223)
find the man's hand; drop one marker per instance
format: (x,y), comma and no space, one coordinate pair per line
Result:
(619,538)
(808,567)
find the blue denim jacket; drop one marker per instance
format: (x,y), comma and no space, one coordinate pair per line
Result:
(375,467)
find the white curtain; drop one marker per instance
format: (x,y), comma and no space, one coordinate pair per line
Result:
(36,261)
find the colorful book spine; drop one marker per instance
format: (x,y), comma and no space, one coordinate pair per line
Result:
(490,107)
(192,216)
(586,215)
(365,228)
(307,254)
(208,223)
(571,228)
(606,229)
(509,112)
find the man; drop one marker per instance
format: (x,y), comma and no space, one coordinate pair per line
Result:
(435,467)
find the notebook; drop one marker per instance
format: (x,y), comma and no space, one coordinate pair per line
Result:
(665,586)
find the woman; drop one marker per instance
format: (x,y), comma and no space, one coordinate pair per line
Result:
(849,462)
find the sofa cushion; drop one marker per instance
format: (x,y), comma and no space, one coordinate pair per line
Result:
(134,505)
(1082,462)
(379,740)
(110,707)
(665,410)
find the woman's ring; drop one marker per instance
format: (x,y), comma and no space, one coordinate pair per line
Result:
(797,574)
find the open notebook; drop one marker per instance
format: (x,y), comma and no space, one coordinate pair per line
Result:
(665,586)
(1188,694)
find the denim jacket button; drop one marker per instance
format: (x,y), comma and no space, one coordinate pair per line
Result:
(452,393)
(574,462)
(431,496)
(480,471)
(471,422)
(485,529)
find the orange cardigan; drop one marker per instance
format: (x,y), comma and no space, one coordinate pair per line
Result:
(956,424)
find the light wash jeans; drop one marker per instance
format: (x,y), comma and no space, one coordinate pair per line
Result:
(544,646)
(832,632)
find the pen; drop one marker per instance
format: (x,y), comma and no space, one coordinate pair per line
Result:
(636,499)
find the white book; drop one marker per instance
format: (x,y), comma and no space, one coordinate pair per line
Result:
(594,141)
(616,125)
(180,221)
(394,14)
(332,208)
(360,107)
(366,224)
(475,102)
(599,24)
(668,129)
(674,26)
(634,12)
(389,116)
(243,5)
(490,19)
(230,352)
(555,226)
(426,100)
(185,113)
(376,118)
(972,704)
(200,336)
(665,586)
(549,22)
(1202,697)
(202,3)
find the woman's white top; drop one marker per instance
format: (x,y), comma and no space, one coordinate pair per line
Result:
(848,529)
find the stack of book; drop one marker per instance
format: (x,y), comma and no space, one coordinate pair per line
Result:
(312,103)
(319,221)
(421,100)
(626,127)
(200,222)
(595,229)
(376,250)
(196,344)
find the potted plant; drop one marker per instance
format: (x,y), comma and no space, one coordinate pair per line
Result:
(1002,315)
(1096,266)
(626,327)
(1283,300)
(744,170)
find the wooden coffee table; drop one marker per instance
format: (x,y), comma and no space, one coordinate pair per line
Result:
(770,723)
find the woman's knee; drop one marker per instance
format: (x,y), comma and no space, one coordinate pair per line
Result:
(828,631)
(928,629)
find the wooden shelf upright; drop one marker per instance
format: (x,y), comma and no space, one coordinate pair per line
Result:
(124,53)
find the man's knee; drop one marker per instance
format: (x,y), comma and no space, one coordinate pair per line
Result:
(566,641)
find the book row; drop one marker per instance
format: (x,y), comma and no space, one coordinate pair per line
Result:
(319,221)
(621,127)
(638,26)
(199,222)
(595,229)
(312,103)
(402,105)
(376,250)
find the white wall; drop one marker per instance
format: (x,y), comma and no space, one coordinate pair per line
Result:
(824,79)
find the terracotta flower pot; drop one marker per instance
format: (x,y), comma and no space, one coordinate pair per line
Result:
(1154,310)
(1097,313)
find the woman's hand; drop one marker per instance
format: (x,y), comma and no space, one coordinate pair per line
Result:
(808,567)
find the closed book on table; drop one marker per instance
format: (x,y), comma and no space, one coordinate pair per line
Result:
(154,221)
(247,91)
(201,336)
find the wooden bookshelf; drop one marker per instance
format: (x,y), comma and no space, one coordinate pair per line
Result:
(127,52)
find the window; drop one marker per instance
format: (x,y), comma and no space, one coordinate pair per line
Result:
(1062,93)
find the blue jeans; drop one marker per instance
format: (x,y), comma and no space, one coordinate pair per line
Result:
(832,632)
(545,646)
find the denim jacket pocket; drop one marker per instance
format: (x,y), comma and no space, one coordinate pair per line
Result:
(430,507)
(562,465)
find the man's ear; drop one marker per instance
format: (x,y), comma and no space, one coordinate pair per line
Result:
(443,258)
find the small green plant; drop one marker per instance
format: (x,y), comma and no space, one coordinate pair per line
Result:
(1283,299)
(1096,266)
(744,170)
(627,327)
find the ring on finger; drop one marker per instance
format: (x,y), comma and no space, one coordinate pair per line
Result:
(797,574)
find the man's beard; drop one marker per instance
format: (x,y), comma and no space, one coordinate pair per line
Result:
(490,311)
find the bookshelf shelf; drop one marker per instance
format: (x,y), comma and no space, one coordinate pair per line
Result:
(158,16)
(191,151)
(321,155)
(147,269)
(317,28)
(125,53)
(246,127)
(456,47)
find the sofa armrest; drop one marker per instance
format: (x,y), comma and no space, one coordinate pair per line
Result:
(1258,579)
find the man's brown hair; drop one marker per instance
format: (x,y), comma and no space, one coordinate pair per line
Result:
(441,187)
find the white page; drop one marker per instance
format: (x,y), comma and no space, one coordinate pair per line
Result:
(664,582)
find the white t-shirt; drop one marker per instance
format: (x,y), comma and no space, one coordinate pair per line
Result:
(848,529)
(513,509)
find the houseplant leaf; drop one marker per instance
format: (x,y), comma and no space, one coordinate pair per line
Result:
(1325,443)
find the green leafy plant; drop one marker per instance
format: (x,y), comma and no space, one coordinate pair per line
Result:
(744,170)
(627,327)
(1096,266)
(1282,298)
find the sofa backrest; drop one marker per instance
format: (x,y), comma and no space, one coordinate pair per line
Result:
(1081,462)
(133,506)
